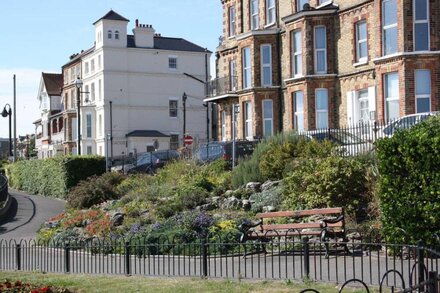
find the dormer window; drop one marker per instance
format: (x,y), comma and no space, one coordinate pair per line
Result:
(116,35)
(109,34)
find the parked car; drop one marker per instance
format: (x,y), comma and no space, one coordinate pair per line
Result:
(212,151)
(150,162)
(348,143)
(406,122)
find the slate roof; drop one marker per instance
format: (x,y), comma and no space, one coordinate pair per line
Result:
(167,43)
(53,83)
(146,133)
(111,15)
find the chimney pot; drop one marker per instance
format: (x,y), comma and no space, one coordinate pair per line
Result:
(137,22)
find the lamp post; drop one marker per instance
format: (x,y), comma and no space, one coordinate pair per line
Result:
(6,113)
(184,97)
(78,83)
(235,111)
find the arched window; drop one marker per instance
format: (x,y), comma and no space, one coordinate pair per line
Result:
(109,34)
(116,35)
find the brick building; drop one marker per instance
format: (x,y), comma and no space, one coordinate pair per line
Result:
(314,64)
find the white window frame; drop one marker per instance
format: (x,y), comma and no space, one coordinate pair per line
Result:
(223,121)
(233,74)
(89,150)
(100,125)
(232,15)
(255,14)
(247,68)
(320,112)
(176,109)
(174,144)
(99,89)
(263,104)
(89,122)
(270,12)
(86,68)
(359,41)
(172,62)
(423,21)
(320,49)
(266,65)
(116,35)
(386,94)
(359,100)
(248,130)
(422,96)
(296,54)
(386,27)
(109,34)
(92,65)
(297,115)
(92,91)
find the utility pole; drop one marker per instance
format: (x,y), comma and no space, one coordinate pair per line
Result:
(15,120)
(184,97)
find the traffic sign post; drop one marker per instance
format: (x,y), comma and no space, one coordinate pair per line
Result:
(188,140)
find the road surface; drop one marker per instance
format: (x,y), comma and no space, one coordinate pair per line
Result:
(26,214)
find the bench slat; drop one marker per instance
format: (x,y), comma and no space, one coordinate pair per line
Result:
(256,235)
(297,226)
(302,213)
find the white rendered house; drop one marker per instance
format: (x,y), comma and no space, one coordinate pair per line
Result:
(133,87)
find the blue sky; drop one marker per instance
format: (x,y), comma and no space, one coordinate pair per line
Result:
(39,36)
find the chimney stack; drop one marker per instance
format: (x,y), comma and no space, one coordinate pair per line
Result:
(143,35)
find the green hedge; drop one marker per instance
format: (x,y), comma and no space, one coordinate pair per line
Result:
(54,176)
(410,183)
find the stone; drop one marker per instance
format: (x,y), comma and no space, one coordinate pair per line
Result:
(246,204)
(268,209)
(208,206)
(230,203)
(215,199)
(229,193)
(254,186)
(269,185)
(117,219)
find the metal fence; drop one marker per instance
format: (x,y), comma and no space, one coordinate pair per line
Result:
(354,139)
(374,264)
(3,188)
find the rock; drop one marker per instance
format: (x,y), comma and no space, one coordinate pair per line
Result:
(51,224)
(230,203)
(215,199)
(246,204)
(208,206)
(117,219)
(254,186)
(228,193)
(268,209)
(270,184)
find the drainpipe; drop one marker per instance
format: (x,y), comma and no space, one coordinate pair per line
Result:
(280,79)
(241,16)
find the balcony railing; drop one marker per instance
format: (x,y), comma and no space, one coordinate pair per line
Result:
(221,86)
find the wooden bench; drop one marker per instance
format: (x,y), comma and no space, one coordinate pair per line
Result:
(331,227)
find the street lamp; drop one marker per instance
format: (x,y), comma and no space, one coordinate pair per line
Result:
(184,97)
(6,113)
(78,83)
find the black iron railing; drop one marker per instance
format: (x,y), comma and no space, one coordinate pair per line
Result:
(3,188)
(221,86)
(374,264)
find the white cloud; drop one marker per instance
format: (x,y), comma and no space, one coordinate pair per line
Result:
(27,81)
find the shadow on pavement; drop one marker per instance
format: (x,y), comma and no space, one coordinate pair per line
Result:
(10,216)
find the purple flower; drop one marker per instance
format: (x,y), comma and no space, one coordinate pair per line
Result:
(202,221)
(156,226)
(135,228)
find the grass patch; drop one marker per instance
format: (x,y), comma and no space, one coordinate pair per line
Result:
(87,283)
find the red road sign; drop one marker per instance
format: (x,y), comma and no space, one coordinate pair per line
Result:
(188,139)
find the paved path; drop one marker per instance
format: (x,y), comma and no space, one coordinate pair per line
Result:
(26,214)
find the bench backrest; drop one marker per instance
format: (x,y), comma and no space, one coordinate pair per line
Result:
(302,213)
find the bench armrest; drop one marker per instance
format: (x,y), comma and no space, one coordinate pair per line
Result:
(244,227)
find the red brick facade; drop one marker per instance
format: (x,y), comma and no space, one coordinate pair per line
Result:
(345,76)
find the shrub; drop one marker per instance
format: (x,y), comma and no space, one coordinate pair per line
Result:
(409,185)
(328,182)
(94,190)
(54,176)
(273,157)
(272,197)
